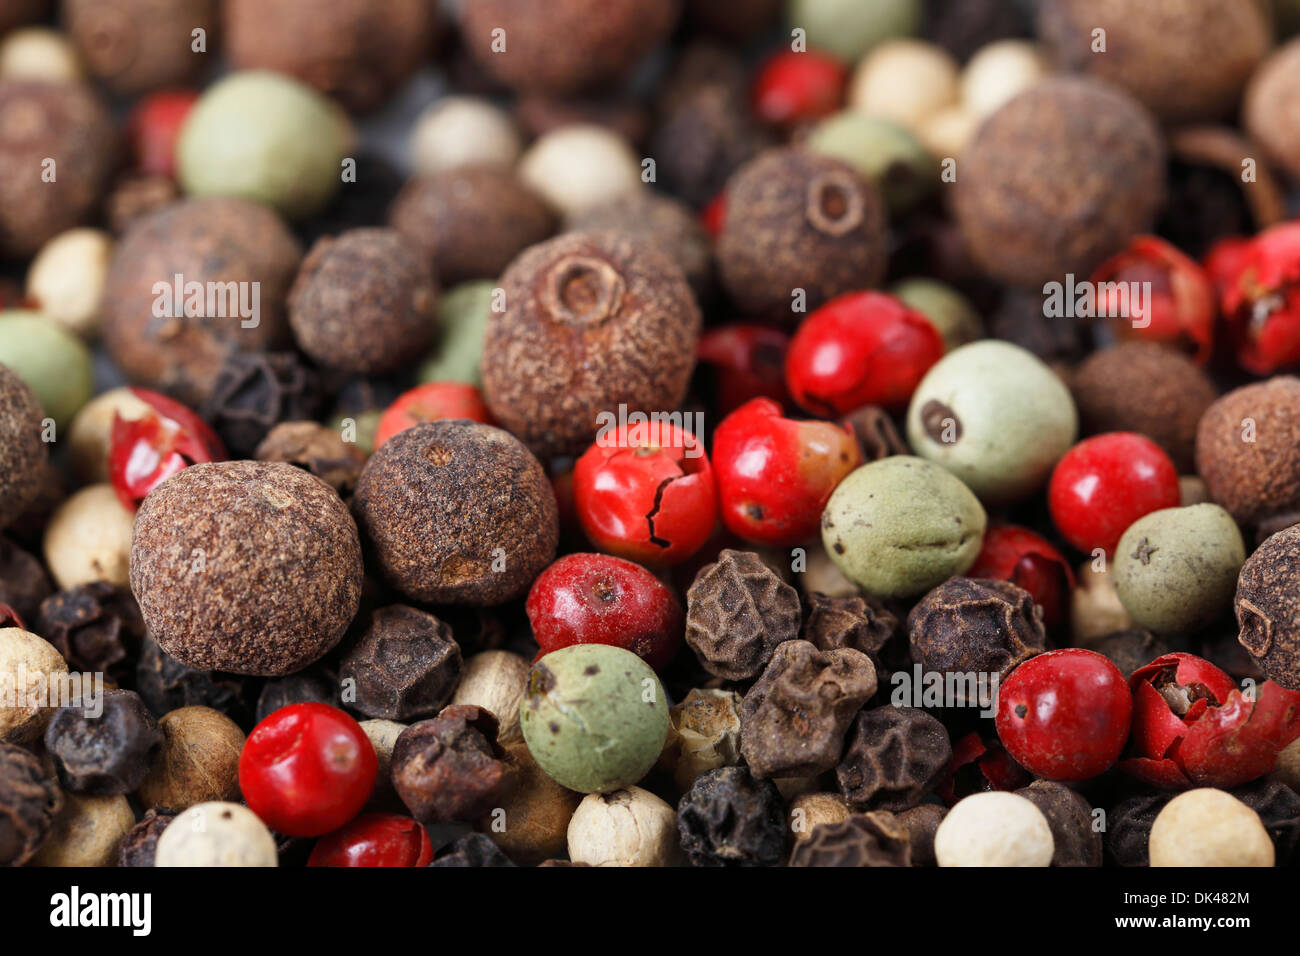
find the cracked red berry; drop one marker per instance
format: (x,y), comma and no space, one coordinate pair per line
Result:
(1029,561)
(144,452)
(429,403)
(980,765)
(1261,303)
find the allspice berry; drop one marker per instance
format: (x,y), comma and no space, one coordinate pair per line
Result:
(495,681)
(593,321)
(800,229)
(22,452)
(135,46)
(198,761)
(537,812)
(1208,827)
(458,513)
(628,827)
(1058,179)
(404,665)
(247,567)
(363,302)
(30,800)
(1268,607)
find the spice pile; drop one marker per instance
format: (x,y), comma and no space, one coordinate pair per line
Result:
(723,432)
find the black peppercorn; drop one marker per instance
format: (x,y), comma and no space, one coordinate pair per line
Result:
(165,684)
(140,844)
(313,685)
(864,839)
(23,581)
(317,449)
(894,756)
(103,753)
(30,799)
(1128,827)
(860,622)
(737,611)
(473,849)
(1069,815)
(254,391)
(97,627)
(729,818)
(1278,807)
(449,769)
(404,665)
(1133,648)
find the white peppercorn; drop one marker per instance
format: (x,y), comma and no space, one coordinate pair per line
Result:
(703,734)
(463,131)
(198,762)
(66,279)
(575,168)
(495,681)
(39,54)
(994,829)
(89,539)
(216,834)
(1209,827)
(30,671)
(383,736)
(86,832)
(811,810)
(630,827)
(1095,607)
(998,72)
(905,81)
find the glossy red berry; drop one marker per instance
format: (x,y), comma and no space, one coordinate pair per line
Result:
(144,452)
(864,348)
(1029,561)
(1064,715)
(747,361)
(646,493)
(307,769)
(431,402)
(374,839)
(1105,483)
(154,126)
(775,474)
(795,87)
(601,599)
(1262,304)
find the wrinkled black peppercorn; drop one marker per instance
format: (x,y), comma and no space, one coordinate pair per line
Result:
(29,801)
(860,622)
(737,611)
(473,849)
(922,823)
(313,685)
(140,844)
(254,392)
(1069,815)
(449,769)
(1128,827)
(864,839)
(404,665)
(893,758)
(1278,807)
(165,684)
(104,753)
(97,628)
(23,581)
(729,818)
(1134,648)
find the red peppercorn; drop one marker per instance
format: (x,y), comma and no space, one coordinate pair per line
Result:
(864,348)
(154,126)
(307,769)
(748,361)
(1105,483)
(374,839)
(713,214)
(601,599)
(1225,261)
(646,493)
(775,474)
(1181,309)
(979,766)
(1262,303)
(1064,715)
(1027,560)
(431,402)
(793,88)
(144,452)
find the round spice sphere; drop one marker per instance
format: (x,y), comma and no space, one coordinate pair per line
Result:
(469,222)
(246,566)
(30,671)
(995,416)
(458,513)
(105,748)
(495,681)
(1146,388)
(87,832)
(810,810)
(135,46)
(88,538)
(628,827)
(997,73)
(363,302)
(51,360)
(1058,179)
(218,244)
(1176,569)
(994,829)
(198,762)
(1248,449)
(40,123)
(849,28)
(356,51)
(799,221)
(579,166)
(39,53)
(1208,827)
(537,812)
(899,526)
(1185,61)
(263,136)
(66,279)
(950,312)
(383,735)
(594,717)
(216,834)
(30,800)
(905,81)
(463,131)
(887,154)
(1268,607)
(592,321)
(1273,92)
(22,453)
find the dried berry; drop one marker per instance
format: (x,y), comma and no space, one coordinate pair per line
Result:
(1268,607)
(315,685)
(894,756)
(876,433)
(703,139)
(703,734)
(458,513)
(974,626)
(315,448)
(922,823)
(23,581)
(135,46)
(473,849)
(103,752)
(864,839)
(255,391)
(1069,815)
(593,321)
(198,762)
(30,799)
(737,611)
(166,684)
(1129,827)
(796,221)
(1132,648)
(728,818)
(404,665)
(793,719)
(140,845)
(97,628)
(1278,807)
(23,452)
(536,812)
(860,622)
(449,769)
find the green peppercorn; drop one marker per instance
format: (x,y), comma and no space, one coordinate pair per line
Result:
(463,317)
(884,152)
(54,363)
(949,310)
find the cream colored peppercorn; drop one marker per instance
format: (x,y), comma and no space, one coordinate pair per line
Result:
(630,827)
(66,279)
(532,823)
(383,736)
(947,132)
(994,829)
(495,681)
(89,539)
(1209,827)
(462,131)
(821,575)
(577,167)
(31,672)
(216,834)
(905,81)
(998,72)
(703,734)
(87,831)
(1288,765)
(811,810)
(91,430)
(1095,607)
(198,763)
(39,54)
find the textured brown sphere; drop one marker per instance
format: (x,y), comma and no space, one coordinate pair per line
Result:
(22,452)
(799,221)
(470,221)
(1268,607)
(136,46)
(1058,179)
(214,242)
(563,46)
(248,567)
(363,302)
(1184,59)
(39,122)
(1147,388)
(592,321)
(198,761)
(1248,449)
(457,513)
(1272,102)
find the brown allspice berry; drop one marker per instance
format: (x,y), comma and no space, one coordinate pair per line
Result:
(1069,816)
(356,51)
(864,839)
(1248,449)
(97,627)
(449,769)
(135,46)
(537,811)
(198,760)
(458,513)
(140,845)
(893,758)
(470,221)
(799,222)
(404,665)
(21,449)
(1147,388)
(738,611)
(30,800)
(922,823)
(593,321)
(246,566)
(211,242)
(1274,91)
(316,448)
(43,123)
(1059,178)
(103,747)
(564,46)
(24,584)
(1268,607)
